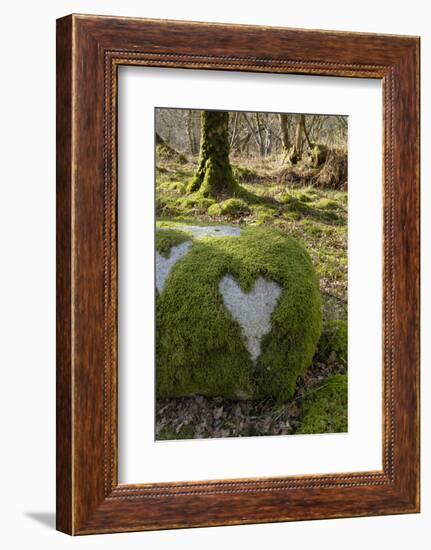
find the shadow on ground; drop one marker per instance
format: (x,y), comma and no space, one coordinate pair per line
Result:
(45,518)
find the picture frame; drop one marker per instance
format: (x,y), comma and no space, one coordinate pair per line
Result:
(89,51)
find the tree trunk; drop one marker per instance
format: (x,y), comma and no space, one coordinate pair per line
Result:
(234,129)
(296,152)
(214,173)
(300,125)
(310,145)
(301,131)
(284,133)
(260,136)
(191,133)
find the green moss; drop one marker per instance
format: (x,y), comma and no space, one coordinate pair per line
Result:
(167,238)
(263,213)
(319,154)
(330,216)
(311,228)
(215,179)
(327,204)
(214,210)
(244,174)
(234,207)
(204,203)
(324,410)
(200,348)
(167,433)
(311,193)
(177,186)
(169,185)
(165,152)
(309,205)
(341,197)
(333,340)
(306,196)
(186,203)
(291,216)
(193,204)
(166,206)
(295,204)
(289,199)
(214,175)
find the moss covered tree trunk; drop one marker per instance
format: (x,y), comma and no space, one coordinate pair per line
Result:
(300,126)
(167,153)
(214,173)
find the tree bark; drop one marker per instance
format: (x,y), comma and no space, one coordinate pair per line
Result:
(284,133)
(191,133)
(300,125)
(301,131)
(214,176)
(310,145)
(296,152)
(234,129)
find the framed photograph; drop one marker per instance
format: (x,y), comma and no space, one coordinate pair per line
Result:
(237,274)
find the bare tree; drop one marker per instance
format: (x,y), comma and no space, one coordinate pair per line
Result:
(193,142)
(284,127)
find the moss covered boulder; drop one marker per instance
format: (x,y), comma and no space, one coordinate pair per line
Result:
(324,410)
(333,343)
(238,314)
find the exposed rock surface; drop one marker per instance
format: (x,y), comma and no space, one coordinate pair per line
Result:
(199,231)
(164,265)
(252,310)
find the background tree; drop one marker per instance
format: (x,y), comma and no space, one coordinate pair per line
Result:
(284,127)
(214,176)
(191,131)
(253,137)
(298,146)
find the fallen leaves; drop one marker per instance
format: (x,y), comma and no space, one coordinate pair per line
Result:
(199,417)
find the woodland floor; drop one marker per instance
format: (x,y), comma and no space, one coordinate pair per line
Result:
(317,217)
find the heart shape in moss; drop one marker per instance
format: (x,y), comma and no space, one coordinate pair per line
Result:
(252,310)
